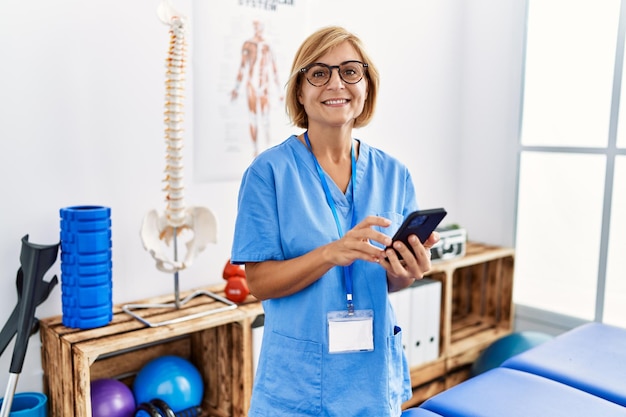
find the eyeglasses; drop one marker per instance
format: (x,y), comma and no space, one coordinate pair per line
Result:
(350,72)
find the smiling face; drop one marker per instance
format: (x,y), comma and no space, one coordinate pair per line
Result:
(337,103)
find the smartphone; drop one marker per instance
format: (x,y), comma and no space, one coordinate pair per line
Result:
(420,223)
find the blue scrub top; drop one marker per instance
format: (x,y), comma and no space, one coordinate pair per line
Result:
(283,214)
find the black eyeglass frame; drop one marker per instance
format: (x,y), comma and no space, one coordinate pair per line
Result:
(331,68)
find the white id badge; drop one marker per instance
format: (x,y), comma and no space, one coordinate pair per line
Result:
(350,333)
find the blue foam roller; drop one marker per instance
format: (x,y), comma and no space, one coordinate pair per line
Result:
(86,266)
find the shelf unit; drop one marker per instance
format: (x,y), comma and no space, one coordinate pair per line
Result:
(476,310)
(220,345)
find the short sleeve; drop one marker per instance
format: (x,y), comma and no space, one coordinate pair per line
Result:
(410,203)
(257,234)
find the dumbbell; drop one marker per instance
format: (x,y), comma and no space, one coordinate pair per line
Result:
(236,286)
(159,408)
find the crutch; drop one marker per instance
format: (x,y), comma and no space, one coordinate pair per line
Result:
(32,290)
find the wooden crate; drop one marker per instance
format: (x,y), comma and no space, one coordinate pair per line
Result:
(423,392)
(477,306)
(476,310)
(220,345)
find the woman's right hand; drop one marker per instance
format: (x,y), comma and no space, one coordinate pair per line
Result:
(356,243)
(273,279)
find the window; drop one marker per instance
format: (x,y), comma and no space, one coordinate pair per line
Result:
(615,298)
(571,226)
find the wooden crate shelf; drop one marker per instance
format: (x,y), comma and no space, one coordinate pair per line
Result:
(476,310)
(428,372)
(220,345)
(423,392)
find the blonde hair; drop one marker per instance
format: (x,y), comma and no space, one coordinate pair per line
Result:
(315,46)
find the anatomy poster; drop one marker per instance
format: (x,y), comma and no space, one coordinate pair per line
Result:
(242,55)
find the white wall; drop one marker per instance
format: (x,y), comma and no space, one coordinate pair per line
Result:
(81,110)
(492,49)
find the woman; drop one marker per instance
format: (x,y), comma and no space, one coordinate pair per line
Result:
(313,224)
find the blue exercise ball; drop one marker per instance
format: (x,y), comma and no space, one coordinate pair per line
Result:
(505,348)
(172,379)
(111,398)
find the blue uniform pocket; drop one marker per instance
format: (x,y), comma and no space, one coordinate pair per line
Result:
(399,377)
(296,364)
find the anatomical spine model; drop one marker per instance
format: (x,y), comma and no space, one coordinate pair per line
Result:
(160,230)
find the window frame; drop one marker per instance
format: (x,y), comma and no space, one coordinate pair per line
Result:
(611,151)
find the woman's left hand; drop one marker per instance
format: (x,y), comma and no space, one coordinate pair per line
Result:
(402,273)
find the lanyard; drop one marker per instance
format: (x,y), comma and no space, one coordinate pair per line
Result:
(347,270)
